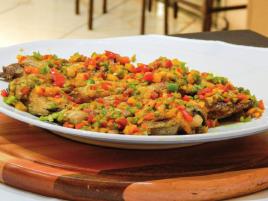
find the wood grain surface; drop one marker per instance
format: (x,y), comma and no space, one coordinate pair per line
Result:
(36,160)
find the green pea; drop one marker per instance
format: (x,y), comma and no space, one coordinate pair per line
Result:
(90,81)
(172,87)
(11,100)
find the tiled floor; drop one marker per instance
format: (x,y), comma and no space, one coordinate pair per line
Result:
(29,20)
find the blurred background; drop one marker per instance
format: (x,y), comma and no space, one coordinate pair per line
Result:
(29,20)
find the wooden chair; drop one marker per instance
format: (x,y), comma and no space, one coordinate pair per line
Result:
(206,9)
(148,3)
(90,10)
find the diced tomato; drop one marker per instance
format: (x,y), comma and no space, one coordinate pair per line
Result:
(179,70)
(21,59)
(138,70)
(210,123)
(142,68)
(104,124)
(40,91)
(25,90)
(86,76)
(227,87)
(242,96)
(93,87)
(205,91)
(102,76)
(187,116)
(134,129)
(202,97)
(47,56)
(226,100)
(4,93)
(90,118)
(111,55)
(68,125)
(154,95)
(169,95)
(105,86)
(122,122)
(78,100)
(57,96)
(70,98)
(31,70)
(132,69)
(148,77)
(168,64)
(149,116)
(145,68)
(261,105)
(116,102)
(80,125)
(180,107)
(91,62)
(186,98)
(57,77)
(100,100)
(124,60)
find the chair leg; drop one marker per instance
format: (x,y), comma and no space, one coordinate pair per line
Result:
(143,17)
(77,7)
(90,14)
(166,16)
(207,21)
(150,4)
(104,6)
(175,9)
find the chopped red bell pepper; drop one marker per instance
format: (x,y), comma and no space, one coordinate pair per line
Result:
(111,55)
(57,77)
(242,96)
(180,107)
(4,93)
(205,91)
(261,105)
(80,125)
(154,95)
(31,70)
(25,90)
(148,77)
(105,86)
(122,122)
(90,61)
(124,60)
(100,100)
(168,64)
(186,98)
(68,125)
(187,116)
(90,118)
(149,116)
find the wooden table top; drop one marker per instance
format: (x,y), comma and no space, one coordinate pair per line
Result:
(36,160)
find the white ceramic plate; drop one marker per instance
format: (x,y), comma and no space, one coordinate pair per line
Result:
(245,66)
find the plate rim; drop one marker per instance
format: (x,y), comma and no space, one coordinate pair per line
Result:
(134,139)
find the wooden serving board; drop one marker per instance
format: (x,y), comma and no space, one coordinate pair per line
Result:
(38,161)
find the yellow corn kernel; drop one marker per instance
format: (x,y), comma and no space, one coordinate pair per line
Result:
(131,100)
(157,77)
(128,129)
(112,77)
(171,113)
(20,106)
(176,62)
(71,71)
